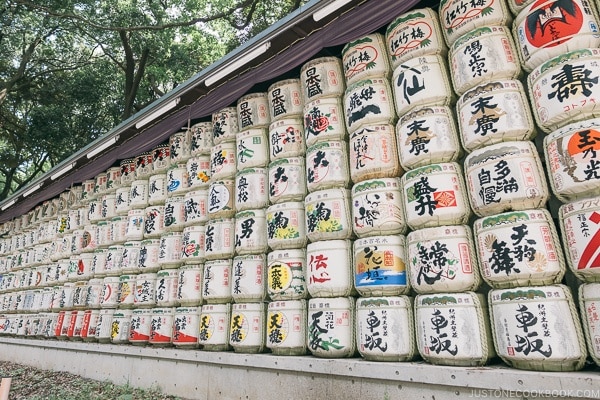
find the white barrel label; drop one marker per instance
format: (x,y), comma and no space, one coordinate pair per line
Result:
(365,57)
(287,180)
(421,81)
(368,102)
(201,138)
(252,149)
(373,153)
(286,138)
(427,135)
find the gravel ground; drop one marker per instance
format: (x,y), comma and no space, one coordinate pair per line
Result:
(30,383)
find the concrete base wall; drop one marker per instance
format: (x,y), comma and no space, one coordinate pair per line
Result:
(196,374)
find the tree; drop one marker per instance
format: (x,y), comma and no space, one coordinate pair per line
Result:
(71,70)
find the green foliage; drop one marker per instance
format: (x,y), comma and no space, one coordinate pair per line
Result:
(72,70)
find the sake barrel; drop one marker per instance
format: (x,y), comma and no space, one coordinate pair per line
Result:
(100,187)
(225,125)
(201,138)
(114,258)
(415,33)
(565,89)
(94,215)
(482,55)
(108,207)
(251,189)
(113,179)
(89,325)
(253,111)
(544,29)
(174,214)
(247,327)
(327,165)
(186,321)
(214,327)
(458,17)
(110,292)
(252,148)
(154,221)
(286,138)
(219,239)
(104,234)
(94,297)
(135,224)
(377,207)
(126,291)
(442,259)
(286,225)
(435,195)
(138,195)
(373,153)
(122,200)
(127,172)
(505,176)
(157,189)
(139,329)
(248,278)
(221,199)
(328,215)
(120,327)
(143,165)
(177,180)
(287,180)
(365,57)
(189,285)
(494,112)
(192,244)
(149,253)
(331,331)
(250,232)
(166,287)
(537,328)
(88,192)
(589,303)
(198,171)
(369,102)
(285,99)
(180,147)
(286,274)
(161,327)
(571,157)
(385,328)
(161,157)
(169,255)
(99,262)
(329,268)
(118,228)
(580,228)
(453,329)
(324,120)
(519,248)
(216,281)
(286,327)
(427,135)
(104,326)
(422,81)
(145,290)
(322,77)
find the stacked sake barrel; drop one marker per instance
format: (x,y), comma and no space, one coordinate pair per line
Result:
(247,325)
(450,317)
(534,322)
(286,227)
(558,47)
(384,317)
